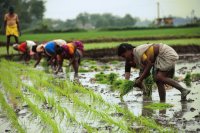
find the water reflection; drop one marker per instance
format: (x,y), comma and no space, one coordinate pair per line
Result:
(146,111)
(183,110)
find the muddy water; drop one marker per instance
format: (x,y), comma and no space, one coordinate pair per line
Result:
(183,115)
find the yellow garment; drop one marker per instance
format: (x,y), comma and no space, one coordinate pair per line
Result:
(71,48)
(149,52)
(12,30)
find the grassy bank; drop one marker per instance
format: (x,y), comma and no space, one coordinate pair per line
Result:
(109,34)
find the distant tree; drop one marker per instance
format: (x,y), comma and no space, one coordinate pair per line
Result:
(28,11)
(128,20)
(83,19)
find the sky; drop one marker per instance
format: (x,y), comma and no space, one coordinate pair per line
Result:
(144,9)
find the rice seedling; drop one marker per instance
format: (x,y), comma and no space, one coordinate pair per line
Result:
(45,65)
(126,87)
(82,70)
(94,68)
(117,85)
(188,79)
(105,67)
(101,78)
(51,101)
(85,106)
(12,86)
(195,76)
(94,107)
(123,86)
(61,109)
(112,77)
(149,82)
(11,115)
(114,62)
(158,106)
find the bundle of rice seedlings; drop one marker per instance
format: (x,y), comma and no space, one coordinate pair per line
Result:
(126,87)
(188,79)
(123,86)
(149,82)
(101,78)
(106,78)
(117,85)
(195,77)
(112,77)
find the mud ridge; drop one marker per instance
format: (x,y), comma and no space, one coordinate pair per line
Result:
(127,39)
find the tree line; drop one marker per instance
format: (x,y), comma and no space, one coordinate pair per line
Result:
(31,15)
(29,11)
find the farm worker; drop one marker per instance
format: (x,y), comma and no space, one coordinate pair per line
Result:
(72,51)
(11,26)
(25,48)
(160,57)
(48,49)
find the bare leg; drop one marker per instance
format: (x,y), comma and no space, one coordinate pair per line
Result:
(16,39)
(161,91)
(165,79)
(7,44)
(161,76)
(75,66)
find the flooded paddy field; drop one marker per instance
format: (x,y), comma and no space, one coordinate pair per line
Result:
(35,101)
(184,115)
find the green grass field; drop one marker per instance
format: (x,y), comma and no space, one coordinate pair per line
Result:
(135,43)
(109,34)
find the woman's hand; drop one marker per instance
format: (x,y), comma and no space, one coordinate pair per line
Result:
(138,81)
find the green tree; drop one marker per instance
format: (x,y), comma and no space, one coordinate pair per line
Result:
(28,11)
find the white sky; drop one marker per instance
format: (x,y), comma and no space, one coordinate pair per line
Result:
(144,9)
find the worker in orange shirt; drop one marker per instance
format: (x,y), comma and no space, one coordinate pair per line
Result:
(73,52)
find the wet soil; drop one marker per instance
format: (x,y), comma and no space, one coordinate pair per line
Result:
(184,115)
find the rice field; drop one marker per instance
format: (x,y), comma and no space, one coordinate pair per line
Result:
(36,100)
(91,46)
(94,34)
(49,104)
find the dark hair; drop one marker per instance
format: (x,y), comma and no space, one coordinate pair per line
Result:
(59,49)
(123,48)
(34,48)
(11,9)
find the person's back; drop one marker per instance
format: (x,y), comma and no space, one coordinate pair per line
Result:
(30,44)
(60,42)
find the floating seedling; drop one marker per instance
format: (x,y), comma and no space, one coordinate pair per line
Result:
(195,77)
(188,79)
(114,62)
(159,106)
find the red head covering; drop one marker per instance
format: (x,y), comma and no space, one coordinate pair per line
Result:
(22,47)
